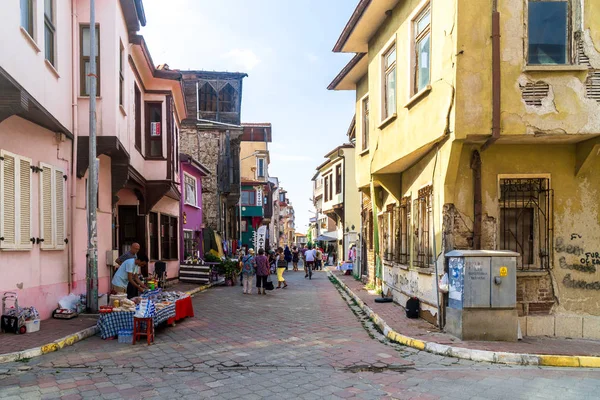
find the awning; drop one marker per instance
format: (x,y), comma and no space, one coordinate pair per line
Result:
(328,237)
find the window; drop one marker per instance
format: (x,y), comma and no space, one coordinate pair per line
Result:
(365,123)
(138,118)
(282,197)
(401,231)
(207,98)
(121,74)
(526,223)
(154,130)
(52,207)
(49,31)
(248,198)
(548,32)
(27,16)
(260,167)
(190,190)
(422,49)
(338,179)
(84,62)
(389,90)
(15,201)
(168,234)
(153,234)
(326,191)
(423,251)
(227,99)
(189,245)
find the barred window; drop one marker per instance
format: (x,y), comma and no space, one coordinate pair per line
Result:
(423,222)
(402,252)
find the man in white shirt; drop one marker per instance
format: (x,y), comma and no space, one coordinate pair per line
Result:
(309,262)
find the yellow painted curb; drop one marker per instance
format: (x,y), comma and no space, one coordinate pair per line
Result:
(559,361)
(589,362)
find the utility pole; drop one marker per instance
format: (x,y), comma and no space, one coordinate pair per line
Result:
(92,256)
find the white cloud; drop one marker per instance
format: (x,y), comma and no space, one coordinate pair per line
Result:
(245,58)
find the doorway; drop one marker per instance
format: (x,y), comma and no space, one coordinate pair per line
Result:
(132,229)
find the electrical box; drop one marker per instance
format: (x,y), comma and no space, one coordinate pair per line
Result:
(482,295)
(111,256)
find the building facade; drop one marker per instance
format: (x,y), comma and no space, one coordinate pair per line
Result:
(211,135)
(191,173)
(504,160)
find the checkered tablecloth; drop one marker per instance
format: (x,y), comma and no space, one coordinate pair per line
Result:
(110,324)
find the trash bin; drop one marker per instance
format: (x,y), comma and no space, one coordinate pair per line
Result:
(482,295)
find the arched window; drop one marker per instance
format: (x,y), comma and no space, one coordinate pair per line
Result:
(207,96)
(227,99)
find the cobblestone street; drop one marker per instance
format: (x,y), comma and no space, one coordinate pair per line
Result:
(300,342)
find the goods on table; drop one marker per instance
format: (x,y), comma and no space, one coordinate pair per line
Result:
(145,309)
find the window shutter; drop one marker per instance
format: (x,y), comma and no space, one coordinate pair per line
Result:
(46,208)
(8,201)
(24,220)
(59,195)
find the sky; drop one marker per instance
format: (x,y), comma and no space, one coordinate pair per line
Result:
(285,48)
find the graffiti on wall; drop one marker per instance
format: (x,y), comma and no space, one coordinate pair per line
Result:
(580,284)
(584,261)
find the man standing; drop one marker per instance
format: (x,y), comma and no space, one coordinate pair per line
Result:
(132,253)
(309,262)
(128,276)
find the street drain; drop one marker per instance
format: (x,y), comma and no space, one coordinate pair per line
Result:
(376,369)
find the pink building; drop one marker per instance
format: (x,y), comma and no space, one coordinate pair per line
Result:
(44,136)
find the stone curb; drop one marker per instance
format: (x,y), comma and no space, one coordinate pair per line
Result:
(74,338)
(471,354)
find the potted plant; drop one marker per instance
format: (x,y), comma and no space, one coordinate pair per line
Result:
(229,269)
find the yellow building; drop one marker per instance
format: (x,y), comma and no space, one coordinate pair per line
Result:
(478,128)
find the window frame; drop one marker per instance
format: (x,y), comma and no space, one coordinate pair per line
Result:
(572,9)
(207,98)
(230,101)
(186,243)
(364,115)
(121,74)
(416,38)
(83,59)
(185,183)
(258,167)
(29,16)
(253,192)
(338,179)
(170,239)
(50,26)
(153,236)
(423,257)
(138,117)
(56,243)
(386,71)
(148,136)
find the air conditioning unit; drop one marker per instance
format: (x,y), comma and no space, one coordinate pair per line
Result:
(111,256)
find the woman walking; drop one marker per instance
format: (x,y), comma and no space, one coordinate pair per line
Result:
(262,271)
(295,257)
(281,266)
(248,271)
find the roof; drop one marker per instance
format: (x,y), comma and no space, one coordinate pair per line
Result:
(133,11)
(352,128)
(362,25)
(162,73)
(257,132)
(215,74)
(355,69)
(186,158)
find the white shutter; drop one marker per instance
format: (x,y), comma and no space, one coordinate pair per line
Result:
(47,224)
(59,196)
(24,212)
(8,200)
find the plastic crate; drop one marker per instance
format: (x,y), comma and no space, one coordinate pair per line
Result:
(125,336)
(32,325)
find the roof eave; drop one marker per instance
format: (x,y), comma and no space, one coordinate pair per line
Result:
(356,68)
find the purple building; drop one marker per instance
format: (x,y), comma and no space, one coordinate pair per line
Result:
(191,174)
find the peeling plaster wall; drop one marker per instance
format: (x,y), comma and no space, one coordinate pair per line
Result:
(566,110)
(573,283)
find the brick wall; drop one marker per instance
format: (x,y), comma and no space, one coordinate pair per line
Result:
(535,295)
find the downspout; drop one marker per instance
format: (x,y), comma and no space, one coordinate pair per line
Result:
(435,255)
(496,77)
(477,199)
(340,154)
(71,252)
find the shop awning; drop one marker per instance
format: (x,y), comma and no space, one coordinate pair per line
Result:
(328,237)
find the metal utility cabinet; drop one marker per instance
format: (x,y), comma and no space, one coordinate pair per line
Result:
(482,295)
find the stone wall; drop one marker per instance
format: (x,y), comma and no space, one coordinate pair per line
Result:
(203,145)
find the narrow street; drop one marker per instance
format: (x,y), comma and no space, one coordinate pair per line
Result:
(300,342)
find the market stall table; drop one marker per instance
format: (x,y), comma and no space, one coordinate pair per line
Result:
(183,309)
(111,323)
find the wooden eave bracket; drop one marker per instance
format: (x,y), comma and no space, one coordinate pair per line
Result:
(585,153)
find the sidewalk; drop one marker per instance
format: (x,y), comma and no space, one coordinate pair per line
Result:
(530,350)
(57,333)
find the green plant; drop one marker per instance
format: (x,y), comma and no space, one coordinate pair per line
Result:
(211,257)
(370,286)
(228,268)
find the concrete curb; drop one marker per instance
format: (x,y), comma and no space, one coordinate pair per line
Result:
(74,338)
(471,354)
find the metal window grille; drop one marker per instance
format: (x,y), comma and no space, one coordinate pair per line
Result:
(526,221)
(401,253)
(424,258)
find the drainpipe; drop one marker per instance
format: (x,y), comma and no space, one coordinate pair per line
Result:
(477,199)
(496,77)
(340,153)
(74,49)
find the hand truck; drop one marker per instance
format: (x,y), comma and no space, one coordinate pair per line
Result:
(12,323)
